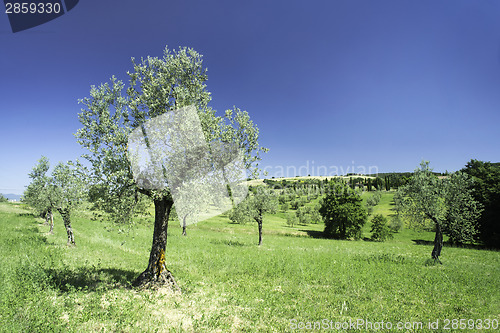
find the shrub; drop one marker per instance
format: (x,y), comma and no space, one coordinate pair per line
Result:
(395,224)
(343,212)
(380,230)
(302,215)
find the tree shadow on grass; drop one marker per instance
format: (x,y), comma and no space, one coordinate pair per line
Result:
(90,278)
(27,215)
(228,242)
(422,242)
(448,244)
(315,234)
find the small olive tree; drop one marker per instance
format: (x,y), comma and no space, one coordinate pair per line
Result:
(69,191)
(262,202)
(38,193)
(63,191)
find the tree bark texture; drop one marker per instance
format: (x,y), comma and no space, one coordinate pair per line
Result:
(438,243)
(66,216)
(157,274)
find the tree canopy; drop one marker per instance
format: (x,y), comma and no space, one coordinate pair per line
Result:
(343,212)
(261,202)
(63,190)
(445,203)
(486,186)
(38,193)
(156,86)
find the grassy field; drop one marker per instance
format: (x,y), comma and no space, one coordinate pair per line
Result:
(229,284)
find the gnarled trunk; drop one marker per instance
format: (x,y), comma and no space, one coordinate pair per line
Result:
(438,243)
(157,274)
(45,215)
(65,213)
(259,223)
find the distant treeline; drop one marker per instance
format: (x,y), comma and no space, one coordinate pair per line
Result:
(386,181)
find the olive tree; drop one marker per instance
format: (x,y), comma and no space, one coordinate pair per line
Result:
(38,193)
(191,205)
(446,203)
(262,202)
(113,111)
(63,191)
(68,192)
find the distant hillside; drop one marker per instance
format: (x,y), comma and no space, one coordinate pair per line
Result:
(11,196)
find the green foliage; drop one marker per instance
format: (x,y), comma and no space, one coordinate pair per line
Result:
(463,210)
(377,183)
(446,203)
(69,187)
(380,230)
(486,186)
(155,86)
(342,212)
(262,202)
(291,219)
(3,199)
(39,193)
(372,201)
(302,215)
(395,223)
(230,285)
(285,206)
(282,198)
(308,214)
(239,214)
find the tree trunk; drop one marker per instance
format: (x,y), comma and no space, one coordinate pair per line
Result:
(45,215)
(438,243)
(51,231)
(342,230)
(184,227)
(65,213)
(157,274)
(259,223)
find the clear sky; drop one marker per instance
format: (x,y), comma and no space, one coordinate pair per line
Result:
(331,84)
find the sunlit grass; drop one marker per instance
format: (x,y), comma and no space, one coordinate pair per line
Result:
(228,282)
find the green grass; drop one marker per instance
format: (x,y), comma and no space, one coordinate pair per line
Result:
(228,283)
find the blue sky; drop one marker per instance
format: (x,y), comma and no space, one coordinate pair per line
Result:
(333,84)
